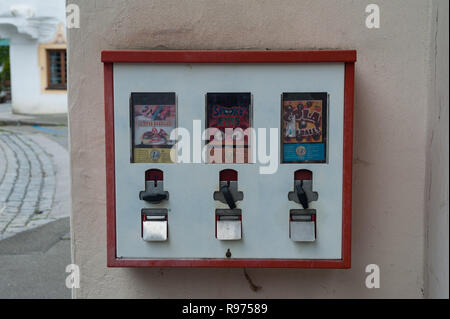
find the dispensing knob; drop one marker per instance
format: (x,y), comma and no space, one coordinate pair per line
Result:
(154,187)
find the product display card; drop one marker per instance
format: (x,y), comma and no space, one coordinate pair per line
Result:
(153,117)
(228,116)
(304,127)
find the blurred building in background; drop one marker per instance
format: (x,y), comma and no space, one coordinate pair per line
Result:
(35,33)
(5,78)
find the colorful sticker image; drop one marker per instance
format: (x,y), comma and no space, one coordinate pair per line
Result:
(153,124)
(154,117)
(304,122)
(228,111)
(228,116)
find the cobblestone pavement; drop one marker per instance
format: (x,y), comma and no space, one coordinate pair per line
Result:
(27,184)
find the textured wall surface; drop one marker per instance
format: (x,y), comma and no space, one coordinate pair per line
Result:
(392,96)
(437,166)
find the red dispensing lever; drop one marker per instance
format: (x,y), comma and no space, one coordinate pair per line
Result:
(154,187)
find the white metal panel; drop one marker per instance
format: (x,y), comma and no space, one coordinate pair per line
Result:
(265,207)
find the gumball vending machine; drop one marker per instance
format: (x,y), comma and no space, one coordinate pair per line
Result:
(229,158)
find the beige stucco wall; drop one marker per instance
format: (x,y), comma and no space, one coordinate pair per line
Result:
(392,96)
(437,165)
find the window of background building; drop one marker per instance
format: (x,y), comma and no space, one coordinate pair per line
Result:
(57,69)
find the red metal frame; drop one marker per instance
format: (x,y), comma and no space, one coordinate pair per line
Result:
(158,56)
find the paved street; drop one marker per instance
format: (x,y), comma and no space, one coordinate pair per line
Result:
(34,211)
(27,184)
(32,263)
